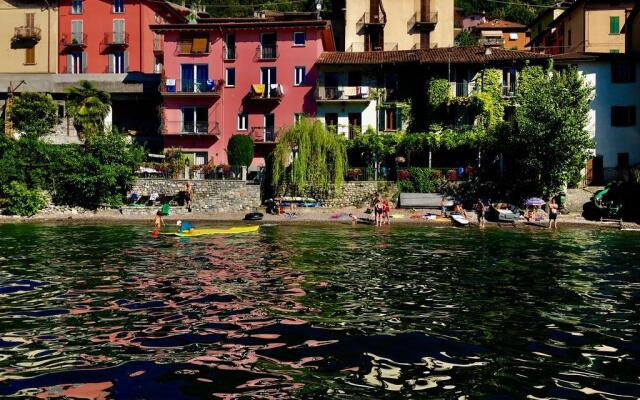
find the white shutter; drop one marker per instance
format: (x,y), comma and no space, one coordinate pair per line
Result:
(126,61)
(69,63)
(111,63)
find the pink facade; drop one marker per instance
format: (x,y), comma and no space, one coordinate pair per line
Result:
(203,107)
(111,36)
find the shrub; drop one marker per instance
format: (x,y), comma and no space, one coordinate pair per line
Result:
(420,180)
(240,150)
(34,114)
(20,200)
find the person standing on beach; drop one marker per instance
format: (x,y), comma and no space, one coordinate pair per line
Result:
(553,214)
(443,207)
(386,210)
(188,195)
(480,208)
(378,209)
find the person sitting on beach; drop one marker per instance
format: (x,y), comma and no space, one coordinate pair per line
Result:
(158,221)
(184,226)
(458,209)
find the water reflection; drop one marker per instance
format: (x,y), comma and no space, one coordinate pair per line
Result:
(304,312)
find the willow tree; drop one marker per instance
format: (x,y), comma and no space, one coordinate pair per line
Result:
(309,160)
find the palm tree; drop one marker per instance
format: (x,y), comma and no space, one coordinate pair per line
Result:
(89,106)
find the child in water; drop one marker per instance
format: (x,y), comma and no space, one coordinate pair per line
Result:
(158,221)
(184,226)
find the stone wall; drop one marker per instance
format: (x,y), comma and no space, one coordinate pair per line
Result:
(360,194)
(209,195)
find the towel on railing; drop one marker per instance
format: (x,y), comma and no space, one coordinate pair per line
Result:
(258,89)
(350,91)
(280,90)
(211,85)
(363,91)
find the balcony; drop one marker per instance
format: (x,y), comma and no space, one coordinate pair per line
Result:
(191,88)
(267,52)
(229,53)
(27,34)
(491,41)
(359,47)
(116,39)
(264,134)
(260,92)
(196,128)
(462,89)
(76,40)
(328,94)
(193,46)
(423,22)
(371,21)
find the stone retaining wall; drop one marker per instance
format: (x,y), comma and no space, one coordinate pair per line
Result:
(360,194)
(209,195)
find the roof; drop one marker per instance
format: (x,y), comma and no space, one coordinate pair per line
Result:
(452,55)
(582,57)
(497,24)
(236,23)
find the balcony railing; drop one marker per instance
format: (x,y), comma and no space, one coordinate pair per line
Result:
(75,39)
(188,87)
(343,93)
(263,134)
(229,53)
(368,20)
(27,34)
(508,90)
(422,22)
(357,47)
(273,92)
(497,41)
(116,39)
(462,89)
(267,52)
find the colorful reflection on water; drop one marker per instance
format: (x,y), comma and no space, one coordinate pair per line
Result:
(318,312)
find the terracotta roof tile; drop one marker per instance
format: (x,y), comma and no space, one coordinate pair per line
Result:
(453,55)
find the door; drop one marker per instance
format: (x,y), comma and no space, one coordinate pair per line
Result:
(188,120)
(355,124)
(268,44)
(194,77)
(187,72)
(269,80)
(202,120)
(269,127)
(202,75)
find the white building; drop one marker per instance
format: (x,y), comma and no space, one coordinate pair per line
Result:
(614,113)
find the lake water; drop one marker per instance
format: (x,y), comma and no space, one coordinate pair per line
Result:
(319,312)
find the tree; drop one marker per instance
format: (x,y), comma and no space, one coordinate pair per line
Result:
(548,142)
(309,160)
(89,106)
(466,38)
(34,114)
(240,150)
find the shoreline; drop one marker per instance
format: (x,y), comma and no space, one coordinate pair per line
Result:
(303,217)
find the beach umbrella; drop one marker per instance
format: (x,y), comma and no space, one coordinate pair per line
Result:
(535,201)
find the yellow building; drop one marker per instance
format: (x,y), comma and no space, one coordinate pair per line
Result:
(594,26)
(29,32)
(372,25)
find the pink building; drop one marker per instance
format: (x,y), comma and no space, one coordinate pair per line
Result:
(225,77)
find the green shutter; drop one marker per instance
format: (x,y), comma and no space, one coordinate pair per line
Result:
(614,25)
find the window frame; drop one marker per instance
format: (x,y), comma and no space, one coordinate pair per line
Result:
(303,78)
(627,119)
(242,123)
(304,39)
(618,77)
(227,81)
(194,109)
(390,112)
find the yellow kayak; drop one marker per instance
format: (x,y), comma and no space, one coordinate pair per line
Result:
(214,231)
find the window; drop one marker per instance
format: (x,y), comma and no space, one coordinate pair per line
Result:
(623,160)
(30,55)
(623,72)
(118,6)
(194,44)
(77,29)
(195,78)
(268,78)
(195,120)
(390,119)
(118,62)
(118,31)
(513,36)
(230,47)
(76,6)
(230,78)
(300,74)
(622,116)
(331,119)
(76,63)
(299,38)
(614,25)
(61,113)
(268,46)
(297,117)
(243,121)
